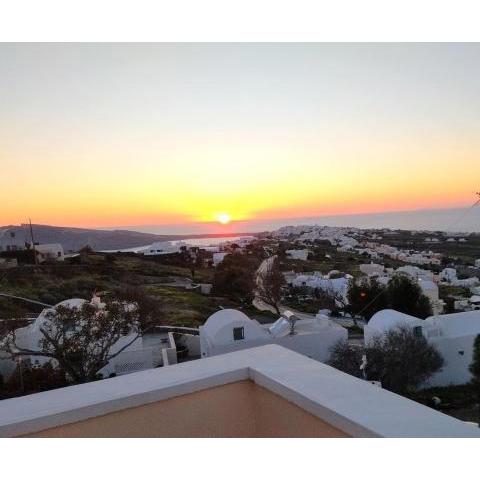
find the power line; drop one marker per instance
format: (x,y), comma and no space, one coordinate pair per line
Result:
(465,213)
(475,204)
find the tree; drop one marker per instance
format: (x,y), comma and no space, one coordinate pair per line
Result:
(28,378)
(399,359)
(270,283)
(190,258)
(82,339)
(366,298)
(149,309)
(405,295)
(346,357)
(234,278)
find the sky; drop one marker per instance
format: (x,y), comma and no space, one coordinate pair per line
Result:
(108,135)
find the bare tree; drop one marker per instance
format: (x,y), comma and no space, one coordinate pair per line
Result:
(270,283)
(82,339)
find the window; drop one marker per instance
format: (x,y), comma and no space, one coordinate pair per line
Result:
(417,331)
(238,333)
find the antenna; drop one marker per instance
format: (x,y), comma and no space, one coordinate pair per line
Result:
(33,242)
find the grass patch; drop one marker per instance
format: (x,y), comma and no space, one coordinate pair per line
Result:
(184,307)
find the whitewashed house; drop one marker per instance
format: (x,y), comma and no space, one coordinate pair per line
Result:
(49,252)
(430,290)
(145,352)
(452,335)
(163,248)
(416,272)
(230,330)
(337,287)
(298,254)
(449,275)
(475,302)
(372,269)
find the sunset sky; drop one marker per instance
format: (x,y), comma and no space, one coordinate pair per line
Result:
(120,135)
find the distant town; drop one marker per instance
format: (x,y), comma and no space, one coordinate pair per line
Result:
(371,303)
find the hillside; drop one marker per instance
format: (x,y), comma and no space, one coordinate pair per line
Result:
(73,239)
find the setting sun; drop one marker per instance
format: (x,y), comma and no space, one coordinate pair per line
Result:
(223,218)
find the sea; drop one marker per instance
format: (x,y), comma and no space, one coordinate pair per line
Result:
(450,220)
(194,242)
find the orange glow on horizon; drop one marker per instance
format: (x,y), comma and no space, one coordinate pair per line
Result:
(220,135)
(251,179)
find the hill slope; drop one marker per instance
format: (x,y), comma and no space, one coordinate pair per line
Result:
(72,239)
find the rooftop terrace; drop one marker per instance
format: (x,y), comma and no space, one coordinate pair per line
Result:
(267,391)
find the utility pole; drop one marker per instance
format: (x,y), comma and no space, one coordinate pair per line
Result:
(33,242)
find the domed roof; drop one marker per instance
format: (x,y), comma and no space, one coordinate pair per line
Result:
(221,318)
(386,319)
(71,303)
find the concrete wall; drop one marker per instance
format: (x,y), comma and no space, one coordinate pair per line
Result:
(239,409)
(313,345)
(192,342)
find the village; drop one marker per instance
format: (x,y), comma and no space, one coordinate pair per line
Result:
(294,287)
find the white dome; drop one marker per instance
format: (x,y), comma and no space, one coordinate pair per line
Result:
(221,318)
(71,303)
(387,319)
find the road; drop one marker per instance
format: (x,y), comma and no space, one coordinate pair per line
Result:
(6,295)
(262,306)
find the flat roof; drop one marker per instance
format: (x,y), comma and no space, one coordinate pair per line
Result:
(347,403)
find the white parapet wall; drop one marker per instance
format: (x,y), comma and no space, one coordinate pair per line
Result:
(355,407)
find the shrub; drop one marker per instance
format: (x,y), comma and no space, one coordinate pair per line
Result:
(400,360)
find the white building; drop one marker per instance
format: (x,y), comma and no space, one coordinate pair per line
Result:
(449,275)
(49,252)
(230,330)
(333,286)
(475,302)
(372,269)
(163,248)
(144,352)
(461,305)
(416,272)
(298,254)
(218,257)
(430,290)
(452,335)
(477,263)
